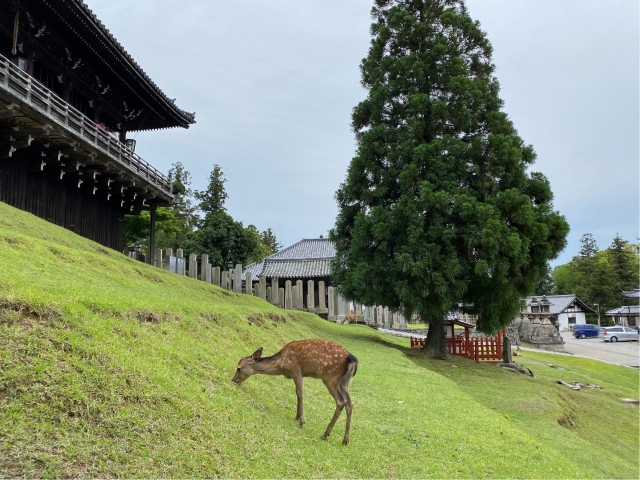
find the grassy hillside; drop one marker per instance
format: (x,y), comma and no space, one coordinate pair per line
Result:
(109,367)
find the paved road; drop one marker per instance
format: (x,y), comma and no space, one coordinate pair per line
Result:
(623,353)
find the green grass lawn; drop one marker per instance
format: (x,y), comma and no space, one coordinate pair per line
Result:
(113,368)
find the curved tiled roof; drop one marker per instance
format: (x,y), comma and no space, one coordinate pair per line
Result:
(624,310)
(297,268)
(255,269)
(307,248)
(559,303)
(308,258)
(106,42)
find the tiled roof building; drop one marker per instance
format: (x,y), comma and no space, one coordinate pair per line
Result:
(567,310)
(297,276)
(306,259)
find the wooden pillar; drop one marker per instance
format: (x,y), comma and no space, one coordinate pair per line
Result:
(466,342)
(152,236)
(30,59)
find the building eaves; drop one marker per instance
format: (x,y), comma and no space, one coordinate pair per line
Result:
(255,269)
(297,268)
(624,310)
(305,249)
(559,303)
(92,22)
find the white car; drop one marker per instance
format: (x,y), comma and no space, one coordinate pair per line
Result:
(619,334)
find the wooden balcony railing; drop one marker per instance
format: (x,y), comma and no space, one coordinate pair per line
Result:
(39,97)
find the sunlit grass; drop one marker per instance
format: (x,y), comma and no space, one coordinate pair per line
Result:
(109,367)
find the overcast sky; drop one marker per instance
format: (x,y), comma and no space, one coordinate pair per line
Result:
(273,84)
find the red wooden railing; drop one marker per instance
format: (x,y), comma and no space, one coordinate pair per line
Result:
(478,349)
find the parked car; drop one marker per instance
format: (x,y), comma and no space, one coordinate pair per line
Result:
(584,331)
(619,334)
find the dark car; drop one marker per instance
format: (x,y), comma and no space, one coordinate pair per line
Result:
(584,331)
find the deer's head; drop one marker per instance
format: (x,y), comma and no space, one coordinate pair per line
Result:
(245,367)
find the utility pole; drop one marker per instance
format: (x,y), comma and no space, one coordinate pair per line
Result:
(598,308)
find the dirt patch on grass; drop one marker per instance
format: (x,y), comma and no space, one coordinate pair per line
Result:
(21,312)
(212,317)
(100,309)
(570,417)
(568,420)
(11,240)
(222,292)
(102,251)
(149,276)
(147,316)
(62,254)
(264,319)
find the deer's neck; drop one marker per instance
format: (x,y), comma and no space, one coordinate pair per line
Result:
(269,365)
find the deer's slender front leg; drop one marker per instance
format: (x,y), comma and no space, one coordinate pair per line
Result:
(298,379)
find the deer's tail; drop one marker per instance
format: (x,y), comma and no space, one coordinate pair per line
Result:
(352,367)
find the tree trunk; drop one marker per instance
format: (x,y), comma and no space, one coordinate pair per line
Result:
(436,344)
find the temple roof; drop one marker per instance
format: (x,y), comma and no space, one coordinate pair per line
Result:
(624,310)
(559,303)
(92,35)
(308,258)
(307,248)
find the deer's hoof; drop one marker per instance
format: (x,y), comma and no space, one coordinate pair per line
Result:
(323,437)
(345,441)
(301,423)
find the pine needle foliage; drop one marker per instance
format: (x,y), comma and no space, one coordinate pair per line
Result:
(437,207)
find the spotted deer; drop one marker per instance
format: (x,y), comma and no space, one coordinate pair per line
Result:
(351,317)
(308,358)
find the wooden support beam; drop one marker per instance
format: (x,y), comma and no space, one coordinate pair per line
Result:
(34,132)
(71,166)
(4,114)
(7,113)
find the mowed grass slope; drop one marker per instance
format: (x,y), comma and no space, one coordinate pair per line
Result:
(109,367)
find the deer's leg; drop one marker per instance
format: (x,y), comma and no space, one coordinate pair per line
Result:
(333,390)
(298,380)
(348,406)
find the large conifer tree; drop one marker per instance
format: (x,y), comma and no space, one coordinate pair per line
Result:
(437,207)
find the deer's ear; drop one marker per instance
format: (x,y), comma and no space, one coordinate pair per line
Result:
(257,354)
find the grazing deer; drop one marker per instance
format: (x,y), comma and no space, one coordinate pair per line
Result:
(349,318)
(308,358)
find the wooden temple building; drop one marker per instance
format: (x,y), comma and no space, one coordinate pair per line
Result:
(308,262)
(69,96)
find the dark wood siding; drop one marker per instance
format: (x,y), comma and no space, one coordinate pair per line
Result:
(61,202)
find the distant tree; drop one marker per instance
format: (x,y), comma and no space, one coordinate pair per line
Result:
(624,262)
(168,228)
(600,277)
(173,224)
(546,286)
(261,250)
(215,233)
(224,240)
(437,207)
(588,246)
(182,194)
(213,197)
(183,210)
(564,279)
(268,239)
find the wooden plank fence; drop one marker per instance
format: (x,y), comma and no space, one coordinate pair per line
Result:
(479,349)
